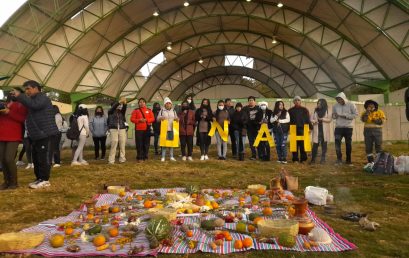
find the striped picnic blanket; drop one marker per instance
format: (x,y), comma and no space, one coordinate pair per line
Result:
(180,243)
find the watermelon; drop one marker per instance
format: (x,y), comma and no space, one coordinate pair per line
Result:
(158,229)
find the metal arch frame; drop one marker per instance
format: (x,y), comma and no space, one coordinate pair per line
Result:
(226,80)
(298,11)
(218,60)
(193,19)
(244,33)
(308,89)
(222,70)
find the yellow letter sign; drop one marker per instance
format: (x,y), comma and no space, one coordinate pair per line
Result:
(163,142)
(264,130)
(294,138)
(223,133)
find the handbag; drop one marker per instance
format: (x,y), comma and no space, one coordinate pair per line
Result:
(288,182)
(149,128)
(316,195)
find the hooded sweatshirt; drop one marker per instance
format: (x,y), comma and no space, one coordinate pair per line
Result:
(348,110)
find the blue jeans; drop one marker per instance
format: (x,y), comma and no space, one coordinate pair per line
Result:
(240,141)
(221,146)
(281,145)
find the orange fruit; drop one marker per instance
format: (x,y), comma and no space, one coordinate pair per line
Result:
(147,204)
(90,216)
(261,191)
(139,198)
(238,244)
(251,228)
(241,199)
(114,209)
(69,231)
(226,233)
(189,233)
(215,205)
(267,211)
(247,242)
(194,195)
(257,220)
(122,194)
(99,240)
(113,232)
(228,238)
(57,240)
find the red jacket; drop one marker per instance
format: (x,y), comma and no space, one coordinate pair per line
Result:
(11,124)
(137,115)
(187,123)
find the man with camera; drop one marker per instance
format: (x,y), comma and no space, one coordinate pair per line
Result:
(41,127)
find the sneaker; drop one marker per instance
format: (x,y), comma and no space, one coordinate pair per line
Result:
(84,162)
(206,157)
(33,183)
(184,158)
(190,158)
(56,166)
(162,159)
(338,163)
(102,158)
(202,157)
(111,162)
(76,163)
(279,161)
(173,159)
(40,184)
(20,163)
(30,165)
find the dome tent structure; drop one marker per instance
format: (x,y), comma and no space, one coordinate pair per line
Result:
(303,48)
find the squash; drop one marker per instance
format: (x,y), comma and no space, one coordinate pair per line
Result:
(157,230)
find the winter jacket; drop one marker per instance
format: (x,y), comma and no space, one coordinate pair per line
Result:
(221,116)
(98,126)
(238,121)
(40,120)
(281,124)
(262,117)
(83,125)
(169,115)
(187,122)
(156,124)
(116,117)
(326,120)
(11,124)
(252,124)
(140,113)
(348,110)
(299,116)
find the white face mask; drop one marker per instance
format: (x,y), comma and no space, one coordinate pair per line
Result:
(221,107)
(263,107)
(189,101)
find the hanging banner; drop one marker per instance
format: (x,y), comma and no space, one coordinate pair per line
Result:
(294,138)
(223,133)
(260,136)
(163,142)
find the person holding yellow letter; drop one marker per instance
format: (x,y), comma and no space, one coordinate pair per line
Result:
(167,114)
(263,117)
(280,120)
(220,116)
(299,116)
(203,117)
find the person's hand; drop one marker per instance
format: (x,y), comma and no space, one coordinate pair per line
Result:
(335,115)
(4,111)
(378,121)
(214,119)
(176,119)
(278,114)
(122,100)
(142,120)
(162,118)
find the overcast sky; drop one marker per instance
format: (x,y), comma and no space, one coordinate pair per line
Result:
(7,8)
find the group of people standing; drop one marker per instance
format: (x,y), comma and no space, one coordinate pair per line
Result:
(30,117)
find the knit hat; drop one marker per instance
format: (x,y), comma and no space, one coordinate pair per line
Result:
(167,100)
(263,103)
(83,106)
(297,98)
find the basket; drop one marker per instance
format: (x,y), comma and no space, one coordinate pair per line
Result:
(115,189)
(20,241)
(254,188)
(273,228)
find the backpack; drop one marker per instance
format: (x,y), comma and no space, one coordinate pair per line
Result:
(383,163)
(73,132)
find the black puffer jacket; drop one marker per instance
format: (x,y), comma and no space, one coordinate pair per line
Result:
(238,120)
(116,116)
(40,120)
(259,118)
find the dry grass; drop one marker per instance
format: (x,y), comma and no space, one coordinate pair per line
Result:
(384,198)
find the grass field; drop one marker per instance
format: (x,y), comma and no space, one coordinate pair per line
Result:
(384,198)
